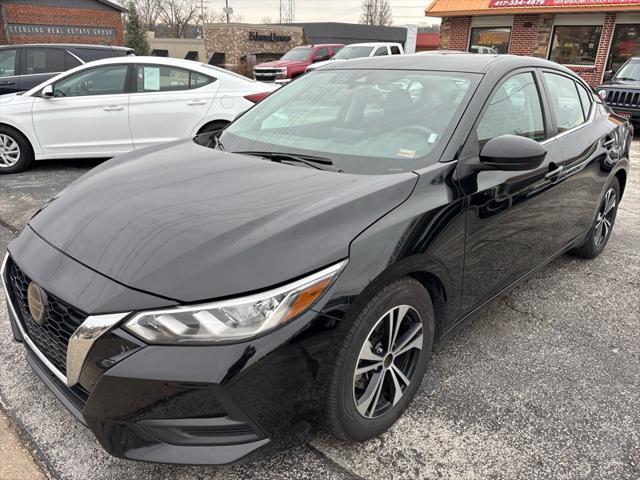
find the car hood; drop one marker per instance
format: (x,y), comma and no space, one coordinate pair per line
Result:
(282,63)
(620,83)
(190,223)
(8,97)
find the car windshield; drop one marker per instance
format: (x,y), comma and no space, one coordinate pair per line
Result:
(364,121)
(353,52)
(301,53)
(629,71)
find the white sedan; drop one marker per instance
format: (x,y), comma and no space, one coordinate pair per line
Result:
(112,106)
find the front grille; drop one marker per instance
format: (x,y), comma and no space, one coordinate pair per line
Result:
(61,319)
(623,98)
(265,75)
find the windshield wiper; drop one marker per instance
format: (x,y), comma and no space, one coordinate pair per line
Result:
(319,163)
(626,79)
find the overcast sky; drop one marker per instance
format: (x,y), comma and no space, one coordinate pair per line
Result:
(404,11)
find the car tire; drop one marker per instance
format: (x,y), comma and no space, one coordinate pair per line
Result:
(602,227)
(362,405)
(16,154)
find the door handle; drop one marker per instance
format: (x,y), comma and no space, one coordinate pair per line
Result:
(113,108)
(196,102)
(556,172)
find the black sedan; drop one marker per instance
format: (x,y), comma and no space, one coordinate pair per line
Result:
(189,303)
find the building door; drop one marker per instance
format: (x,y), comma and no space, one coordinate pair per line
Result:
(624,45)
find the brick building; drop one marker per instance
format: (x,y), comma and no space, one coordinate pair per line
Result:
(61,21)
(239,46)
(588,36)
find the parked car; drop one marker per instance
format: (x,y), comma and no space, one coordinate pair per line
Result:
(482,50)
(23,67)
(294,63)
(360,50)
(112,106)
(621,90)
(192,304)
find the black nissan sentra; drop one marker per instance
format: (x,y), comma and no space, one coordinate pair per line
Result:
(189,303)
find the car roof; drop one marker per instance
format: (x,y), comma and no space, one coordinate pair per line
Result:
(177,62)
(320,45)
(445,61)
(69,45)
(371,44)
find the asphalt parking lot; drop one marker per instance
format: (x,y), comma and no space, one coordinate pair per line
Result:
(545,384)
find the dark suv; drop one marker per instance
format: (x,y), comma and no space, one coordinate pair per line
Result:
(22,67)
(621,90)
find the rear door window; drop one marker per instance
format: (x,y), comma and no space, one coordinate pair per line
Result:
(381,51)
(585,99)
(395,50)
(157,78)
(44,60)
(565,101)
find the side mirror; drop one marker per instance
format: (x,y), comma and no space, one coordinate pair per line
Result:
(512,153)
(608,75)
(318,59)
(47,91)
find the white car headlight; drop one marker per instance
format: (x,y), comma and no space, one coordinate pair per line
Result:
(603,94)
(235,319)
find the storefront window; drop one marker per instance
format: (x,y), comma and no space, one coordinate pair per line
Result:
(625,44)
(490,40)
(575,45)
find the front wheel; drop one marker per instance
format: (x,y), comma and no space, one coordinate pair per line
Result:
(379,363)
(600,231)
(15,151)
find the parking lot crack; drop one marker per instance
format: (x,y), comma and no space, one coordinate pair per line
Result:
(332,464)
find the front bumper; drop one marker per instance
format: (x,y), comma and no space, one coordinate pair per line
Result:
(208,405)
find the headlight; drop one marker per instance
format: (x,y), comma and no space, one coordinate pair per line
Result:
(603,94)
(236,319)
(281,72)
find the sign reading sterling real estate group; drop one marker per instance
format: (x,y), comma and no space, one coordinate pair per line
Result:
(558,3)
(62,30)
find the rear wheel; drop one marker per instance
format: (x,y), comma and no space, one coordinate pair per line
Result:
(600,231)
(380,361)
(15,151)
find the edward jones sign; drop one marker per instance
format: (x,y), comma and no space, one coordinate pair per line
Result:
(558,3)
(62,30)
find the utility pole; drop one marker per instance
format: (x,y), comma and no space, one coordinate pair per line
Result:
(227,11)
(287,11)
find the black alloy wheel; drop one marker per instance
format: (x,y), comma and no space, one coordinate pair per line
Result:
(379,360)
(602,227)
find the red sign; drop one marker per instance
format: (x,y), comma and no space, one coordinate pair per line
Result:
(558,3)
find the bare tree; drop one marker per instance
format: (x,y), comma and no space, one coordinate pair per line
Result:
(179,14)
(148,10)
(266,20)
(376,12)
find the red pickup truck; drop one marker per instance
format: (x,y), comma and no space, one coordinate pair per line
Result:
(294,63)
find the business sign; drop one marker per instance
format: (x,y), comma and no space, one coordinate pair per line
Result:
(268,37)
(559,3)
(61,30)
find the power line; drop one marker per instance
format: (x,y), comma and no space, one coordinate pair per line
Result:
(287,11)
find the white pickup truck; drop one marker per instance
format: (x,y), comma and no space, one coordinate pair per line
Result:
(361,50)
